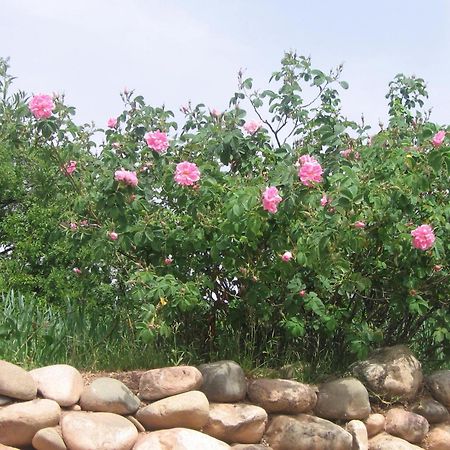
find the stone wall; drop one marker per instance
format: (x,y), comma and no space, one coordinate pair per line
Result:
(214,406)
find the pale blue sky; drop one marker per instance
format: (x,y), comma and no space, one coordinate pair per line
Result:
(175,50)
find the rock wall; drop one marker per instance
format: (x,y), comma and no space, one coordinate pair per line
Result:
(215,407)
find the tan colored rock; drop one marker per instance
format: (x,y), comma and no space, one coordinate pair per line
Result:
(178,439)
(187,410)
(48,439)
(281,396)
(306,432)
(156,384)
(391,373)
(236,422)
(384,441)
(346,398)
(438,438)
(359,434)
(438,384)
(7,447)
(109,395)
(407,425)
(60,382)
(16,382)
(21,421)
(374,424)
(97,430)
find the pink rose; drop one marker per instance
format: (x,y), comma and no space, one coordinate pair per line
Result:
(286,256)
(438,138)
(69,168)
(112,122)
(113,235)
(41,106)
(73,226)
(126,177)
(168,261)
(359,224)
(324,200)
(423,237)
(302,293)
(215,112)
(307,159)
(186,173)
(157,141)
(437,268)
(346,153)
(252,126)
(270,199)
(76,271)
(310,173)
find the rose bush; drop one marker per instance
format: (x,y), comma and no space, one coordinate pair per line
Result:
(203,215)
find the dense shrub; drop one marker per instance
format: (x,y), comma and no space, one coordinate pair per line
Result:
(285,230)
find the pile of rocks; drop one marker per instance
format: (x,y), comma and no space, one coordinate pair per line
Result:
(215,407)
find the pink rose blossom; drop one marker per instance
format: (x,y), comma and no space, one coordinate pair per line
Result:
(252,126)
(186,173)
(307,159)
(324,200)
(359,224)
(423,237)
(215,112)
(157,140)
(286,256)
(270,199)
(41,106)
(126,177)
(112,122)
(346,153)
(438,138)
(302,293)
(310,173)
(437,268)
(69,168)
(76,271)
(168,261)
(73,226)
(113,235)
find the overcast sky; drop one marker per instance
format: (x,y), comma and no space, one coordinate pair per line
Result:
(178,50)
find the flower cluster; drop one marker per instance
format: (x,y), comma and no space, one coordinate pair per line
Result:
(438,139)
(186,173)
(126,177)
(350,153)
(270,199)
(69,168)
(157,141)
(41,106)
(423,237)
(310,171)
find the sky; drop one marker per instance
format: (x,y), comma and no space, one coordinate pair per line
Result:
(174,51)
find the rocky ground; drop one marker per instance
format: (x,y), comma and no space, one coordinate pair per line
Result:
(214,406)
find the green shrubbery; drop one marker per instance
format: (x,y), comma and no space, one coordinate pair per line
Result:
(196,262)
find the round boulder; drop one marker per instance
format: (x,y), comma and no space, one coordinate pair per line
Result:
(16,382)
(432,410)
(21,421)
(346,398)
(374,424)
(438,384)
(223,381)
(359,433)
(438,438)
(306,432)
(391,373)
(60,382)
(236,422)
(187,410)
(97,430)
(384,441)
(179,439)
(48,439)
(406,425)
(282,396)
(109,395)
(156,384)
